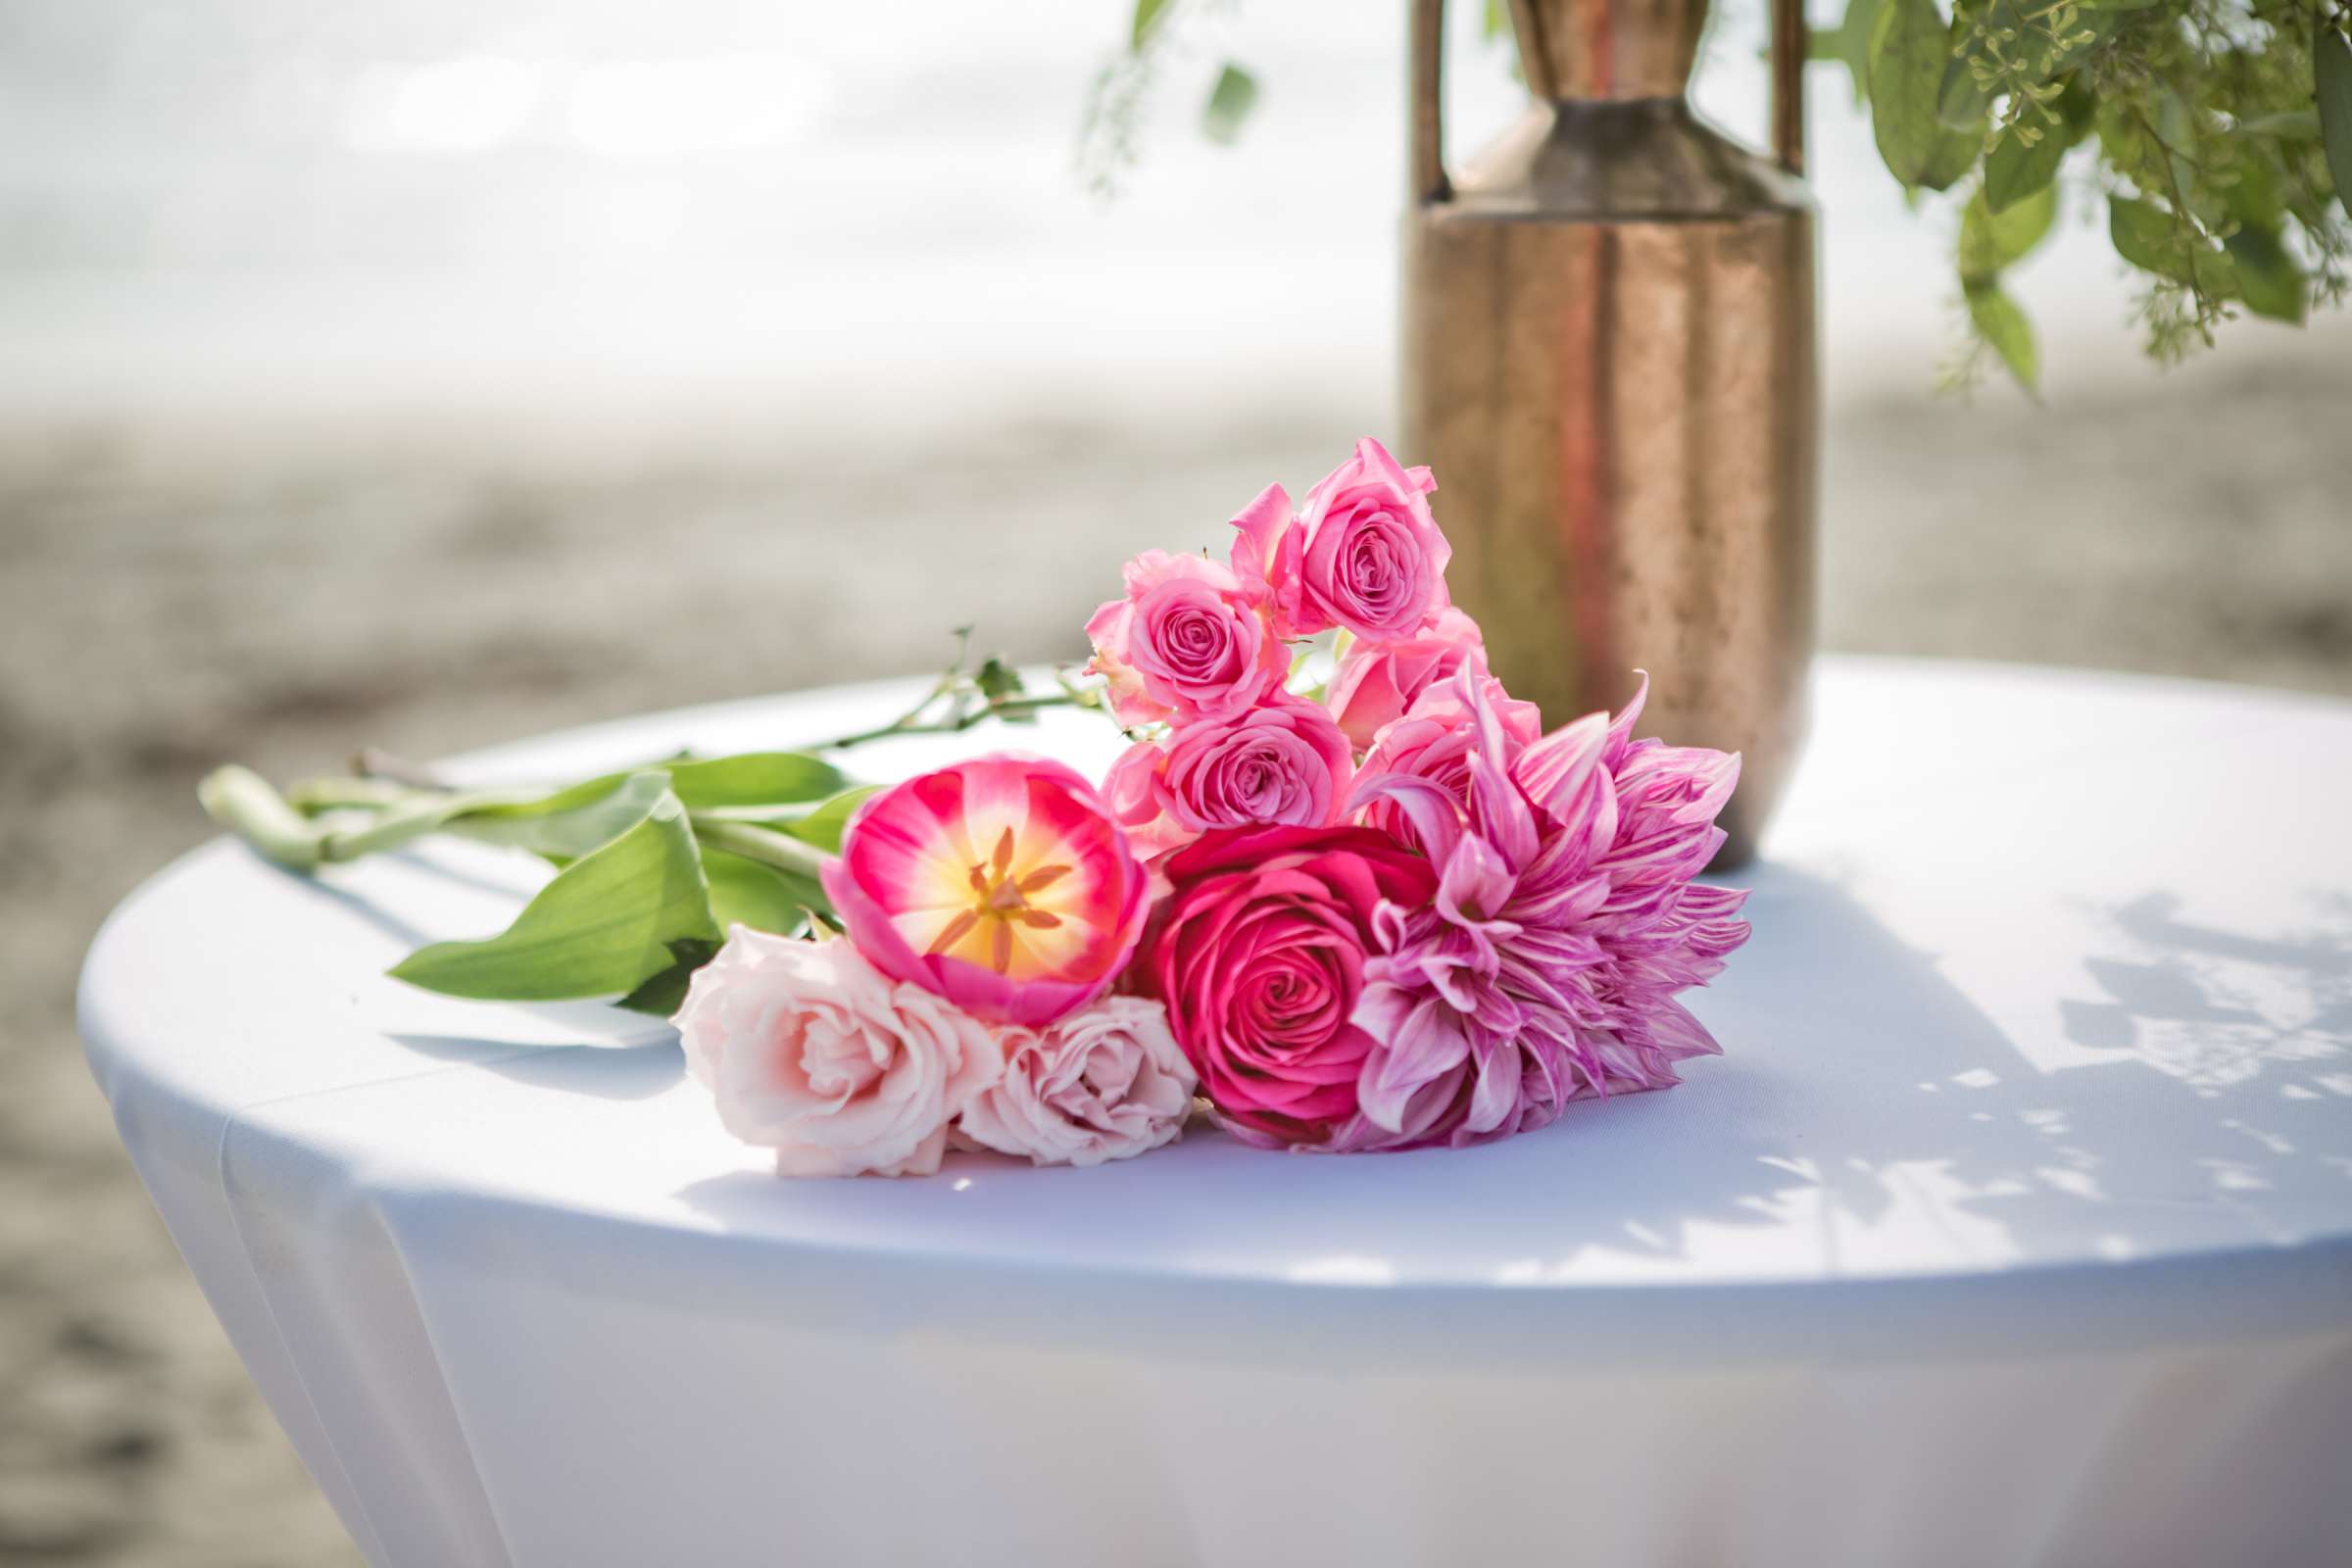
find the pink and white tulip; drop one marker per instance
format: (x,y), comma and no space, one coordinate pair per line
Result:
(1002,884)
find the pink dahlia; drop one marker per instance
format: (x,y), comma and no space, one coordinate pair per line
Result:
(1565,921)
(1438,735)
(1002,884)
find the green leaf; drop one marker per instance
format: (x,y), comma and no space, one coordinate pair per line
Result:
(666,993)
(1849,43)
(996,678)
(2267,275)
(824,826)
(566,832)
(2000,323)
(1991,241)
(1908,52)
(1960,102)
(764,898)
(2145,235)
(755,778)
(2078,106)
(1148,14)
(603,927)
(702,784)
(2332,66)
(2295,125)
(2014,171)
(1229,104)
(2253,198)
(1498,19)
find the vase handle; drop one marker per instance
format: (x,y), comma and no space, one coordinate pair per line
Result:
(1788,84)
(1425,69)
(1425,53)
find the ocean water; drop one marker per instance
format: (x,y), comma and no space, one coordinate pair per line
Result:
(850,209)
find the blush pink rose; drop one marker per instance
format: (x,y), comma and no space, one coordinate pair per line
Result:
(1189,641)
(1258,953)
(1281,765)
(1369,556)
(1376,683)
(811,1050)
(1438,735)
(1107,1083)
(1002,883)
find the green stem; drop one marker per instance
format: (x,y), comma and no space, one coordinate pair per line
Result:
(956,720)
(242,802)
(762,844)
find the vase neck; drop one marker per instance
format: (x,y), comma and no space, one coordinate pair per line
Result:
(1608,49)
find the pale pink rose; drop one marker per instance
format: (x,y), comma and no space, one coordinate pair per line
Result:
(1436,736)
(1369,556)
(1189,641)
(1377,682)
(811,1050)
(1108,1083)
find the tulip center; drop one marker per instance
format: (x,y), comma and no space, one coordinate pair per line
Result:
(999,903)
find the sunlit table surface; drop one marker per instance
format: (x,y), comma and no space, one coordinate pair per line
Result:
(2014,1226)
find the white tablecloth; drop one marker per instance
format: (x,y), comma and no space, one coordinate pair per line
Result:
(2014,1226)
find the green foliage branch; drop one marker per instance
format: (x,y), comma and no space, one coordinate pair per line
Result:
(2216,135)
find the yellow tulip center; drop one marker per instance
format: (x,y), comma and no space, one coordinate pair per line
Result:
(998,903)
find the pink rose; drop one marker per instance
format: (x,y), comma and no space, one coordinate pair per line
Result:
(1369,556)
(811,1050)
(1002,883)
(1108,1083)
(1283,765)
(1376,683)
(1189,641)
(1436,736)
(1258,953)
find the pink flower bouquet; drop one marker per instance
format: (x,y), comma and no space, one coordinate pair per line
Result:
(1373,910)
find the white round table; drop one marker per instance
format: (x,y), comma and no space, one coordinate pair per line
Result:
(2014,1226)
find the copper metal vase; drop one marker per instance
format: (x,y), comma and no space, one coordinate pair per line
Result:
(1609,362)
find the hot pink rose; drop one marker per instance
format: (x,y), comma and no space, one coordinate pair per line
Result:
(1189,641)
(808,1050)
(1000,883)
(1369,556)
(1376,683)
(1436,736)
(1258,951)
(1105,1083)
